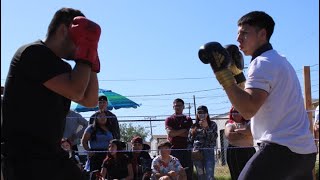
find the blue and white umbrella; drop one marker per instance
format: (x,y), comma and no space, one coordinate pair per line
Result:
(115,101)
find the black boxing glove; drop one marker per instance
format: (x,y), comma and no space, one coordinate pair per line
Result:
(220,60)
(237,63)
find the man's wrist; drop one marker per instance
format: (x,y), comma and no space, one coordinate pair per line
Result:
(225,78)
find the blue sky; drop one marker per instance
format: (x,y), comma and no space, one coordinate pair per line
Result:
(147,46)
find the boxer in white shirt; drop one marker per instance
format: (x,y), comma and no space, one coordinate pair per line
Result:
(272,99)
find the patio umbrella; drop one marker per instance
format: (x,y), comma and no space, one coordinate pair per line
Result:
(115,101)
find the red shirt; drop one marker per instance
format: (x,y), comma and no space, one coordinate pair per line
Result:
(176,123)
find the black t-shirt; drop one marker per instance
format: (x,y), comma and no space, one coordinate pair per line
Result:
(33,115)
(117,168)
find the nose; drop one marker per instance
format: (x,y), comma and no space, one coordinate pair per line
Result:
(239,39)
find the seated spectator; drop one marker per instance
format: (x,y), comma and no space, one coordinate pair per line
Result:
(66,145)
(117,165)
(141,160)
(165,166)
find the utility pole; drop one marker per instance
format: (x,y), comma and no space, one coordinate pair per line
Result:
(194,104)
(150,121)
(189,107)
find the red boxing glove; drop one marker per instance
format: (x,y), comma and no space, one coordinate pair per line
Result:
(85,34)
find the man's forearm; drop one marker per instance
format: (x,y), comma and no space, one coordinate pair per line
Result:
(247,104)
(90,98)
(235,136)
(80,77)
(174,133)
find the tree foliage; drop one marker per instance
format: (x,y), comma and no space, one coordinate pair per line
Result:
(127,131)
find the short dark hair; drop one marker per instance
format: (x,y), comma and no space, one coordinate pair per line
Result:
(178,100)
(120,144)
(165,143)
(62,16)
(103,98)
(260,20)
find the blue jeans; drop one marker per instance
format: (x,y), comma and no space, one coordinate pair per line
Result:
(205,168)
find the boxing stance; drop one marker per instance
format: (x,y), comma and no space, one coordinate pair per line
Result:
(33,121)
(272,99)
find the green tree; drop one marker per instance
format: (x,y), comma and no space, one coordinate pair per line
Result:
(127,131)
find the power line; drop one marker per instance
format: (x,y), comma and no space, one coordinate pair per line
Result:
(169,94)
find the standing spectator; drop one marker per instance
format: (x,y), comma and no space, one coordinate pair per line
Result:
(96,138)
(316,126)
(177,127)
(141,160)
(240,148)
(66,145)
(203,138)
(166,166)
(49,84)
(111,118)
(117,164)
(73,122)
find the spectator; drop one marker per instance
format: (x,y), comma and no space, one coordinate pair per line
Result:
(66,145)
(240,148)
(117,164)
(96,138)
(204,135)
(178,126)
(141,160)
(111,118)
(73,122)
(165,166)
(316,126)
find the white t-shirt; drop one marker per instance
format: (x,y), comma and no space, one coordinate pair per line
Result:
(282,119)
(316,115)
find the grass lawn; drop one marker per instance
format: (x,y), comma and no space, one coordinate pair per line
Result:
(220,173)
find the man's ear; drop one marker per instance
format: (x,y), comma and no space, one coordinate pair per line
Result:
(263,34)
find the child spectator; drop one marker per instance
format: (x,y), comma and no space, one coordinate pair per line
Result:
(165,166)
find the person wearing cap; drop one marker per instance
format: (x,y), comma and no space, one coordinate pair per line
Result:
(177,127)
(140,158)
(202,138)
(111,118)
(166,166)
(240,148)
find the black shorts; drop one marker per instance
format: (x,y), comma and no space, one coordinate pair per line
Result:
(278,162)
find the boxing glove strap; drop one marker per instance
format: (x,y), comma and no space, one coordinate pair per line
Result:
(225,78)
(240,78)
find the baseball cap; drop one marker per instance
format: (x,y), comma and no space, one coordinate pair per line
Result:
(202,108)
(103,98)
(137,139)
